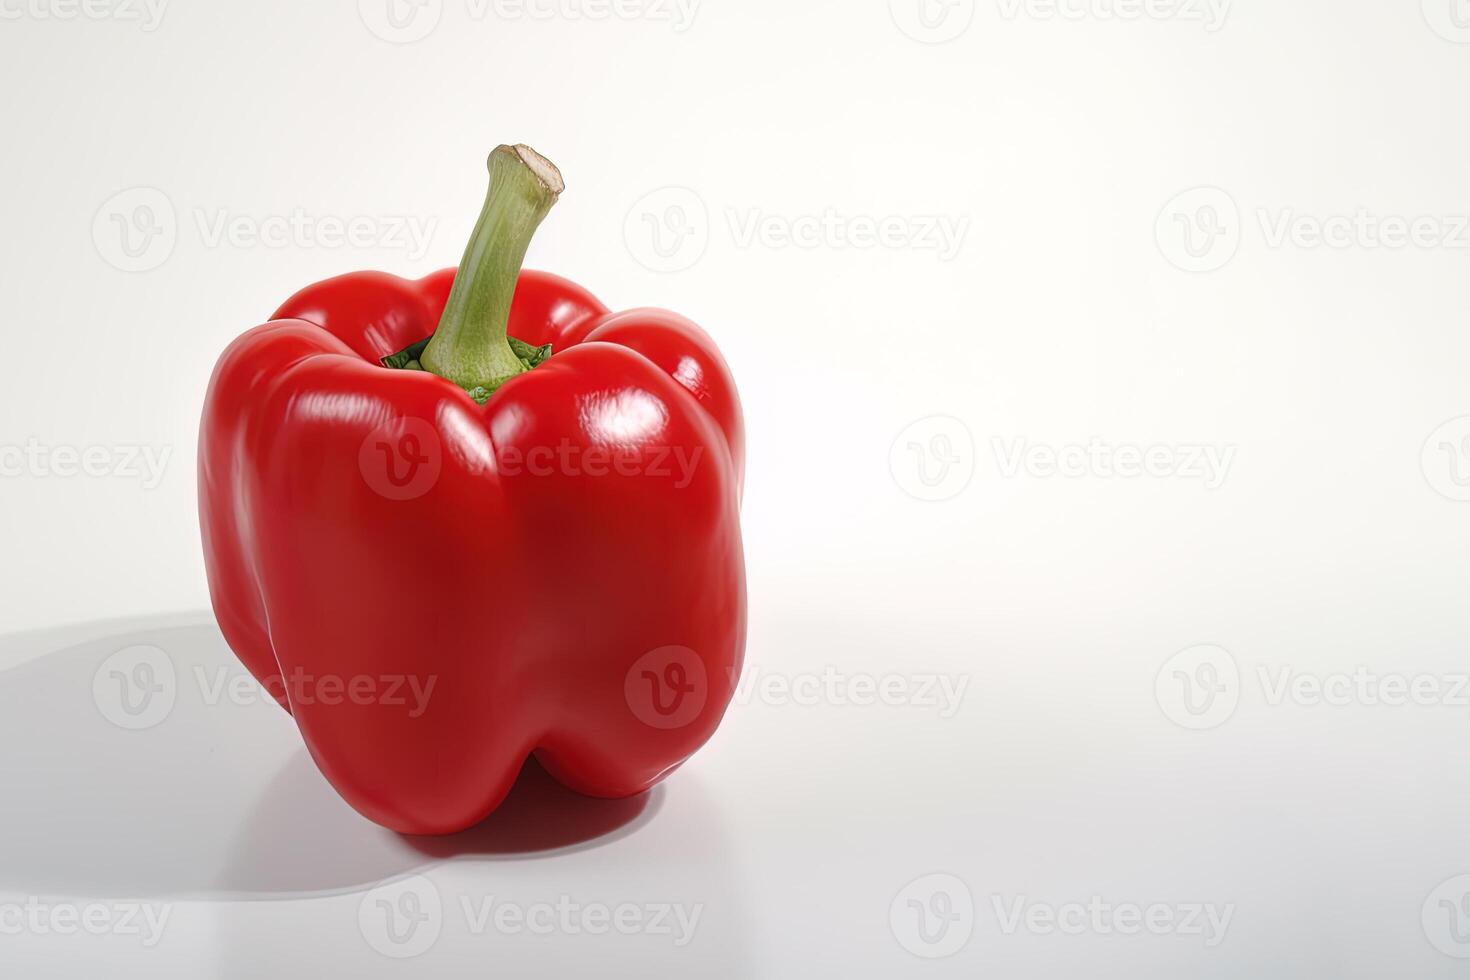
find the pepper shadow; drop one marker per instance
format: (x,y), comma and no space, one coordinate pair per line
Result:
(302,840)
(217,798)
(540,815)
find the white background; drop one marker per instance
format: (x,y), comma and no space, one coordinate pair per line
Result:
(1235,229)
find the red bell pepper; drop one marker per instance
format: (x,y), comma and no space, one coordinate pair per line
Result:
(519,538)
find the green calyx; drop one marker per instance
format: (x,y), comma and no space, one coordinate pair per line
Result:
(410,359)
(470,346)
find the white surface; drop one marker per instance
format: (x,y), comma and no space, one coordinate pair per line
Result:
(1039,293)
(1322,840)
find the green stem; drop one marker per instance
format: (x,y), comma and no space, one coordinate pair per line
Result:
(470,346)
